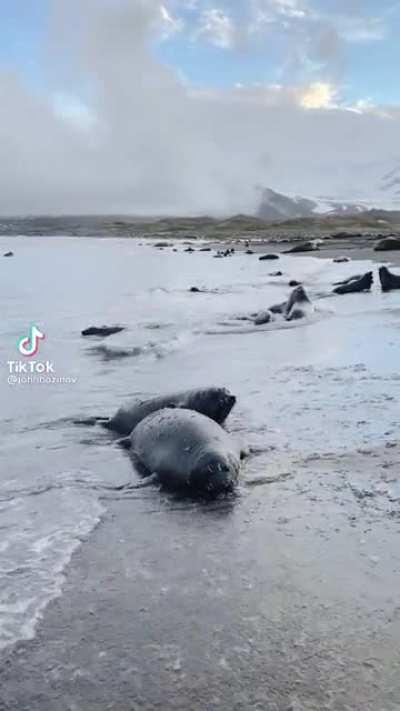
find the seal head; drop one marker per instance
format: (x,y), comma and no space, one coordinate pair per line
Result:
(214,473)
(216,402)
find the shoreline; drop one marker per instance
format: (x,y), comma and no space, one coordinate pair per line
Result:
(301,613)
(283,597)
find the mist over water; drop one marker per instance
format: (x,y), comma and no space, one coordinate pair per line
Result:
(307,389)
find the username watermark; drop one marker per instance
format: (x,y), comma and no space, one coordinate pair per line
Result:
(34,372)
(39,379)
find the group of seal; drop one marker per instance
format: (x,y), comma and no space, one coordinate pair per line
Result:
(297,306)
(177,440)
(363,282)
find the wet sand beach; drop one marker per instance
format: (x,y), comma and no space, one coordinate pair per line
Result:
(285,599)
(283,596)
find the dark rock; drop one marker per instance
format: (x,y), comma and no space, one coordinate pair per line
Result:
(293,282)
(189,249)
(195,290)
(8,254)
(249,251)
(205,249)
(160,245)
(102,330)
(275,274)
(340,260)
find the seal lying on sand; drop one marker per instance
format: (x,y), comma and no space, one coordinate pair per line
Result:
(215,403)
(268,257)
(302,247)
(356,285)
(387,244)
(388,280)
(183,449)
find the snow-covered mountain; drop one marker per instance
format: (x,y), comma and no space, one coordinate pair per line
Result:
(276,206)
(378,188)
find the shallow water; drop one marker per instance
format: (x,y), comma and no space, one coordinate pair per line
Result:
(306,389)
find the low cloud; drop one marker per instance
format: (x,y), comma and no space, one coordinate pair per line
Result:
(118,131)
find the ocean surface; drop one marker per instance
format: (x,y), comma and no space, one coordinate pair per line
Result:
(327,385)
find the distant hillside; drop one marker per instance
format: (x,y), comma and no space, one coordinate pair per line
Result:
(191,228)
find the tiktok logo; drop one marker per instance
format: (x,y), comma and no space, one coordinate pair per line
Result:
(29,345)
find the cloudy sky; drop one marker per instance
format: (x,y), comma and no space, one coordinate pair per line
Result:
(192,106)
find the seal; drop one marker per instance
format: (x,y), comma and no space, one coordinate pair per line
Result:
(268,257)
(355,277)
(302,247)
(356,285)
(186,450)
(298,305)
(387,244)
(278,308)
(262,317)
(102,330)
(215,403)
(388,280)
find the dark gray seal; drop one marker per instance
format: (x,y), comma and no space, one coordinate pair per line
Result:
(102,330)
(262,317)
(215,403)
(183,449)
(302,247)
(356,285)
(387,244)
(388,280)
(355,277)
(268,257)
(298,305)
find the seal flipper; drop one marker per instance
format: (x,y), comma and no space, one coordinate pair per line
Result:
(147,481)
(124,442)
